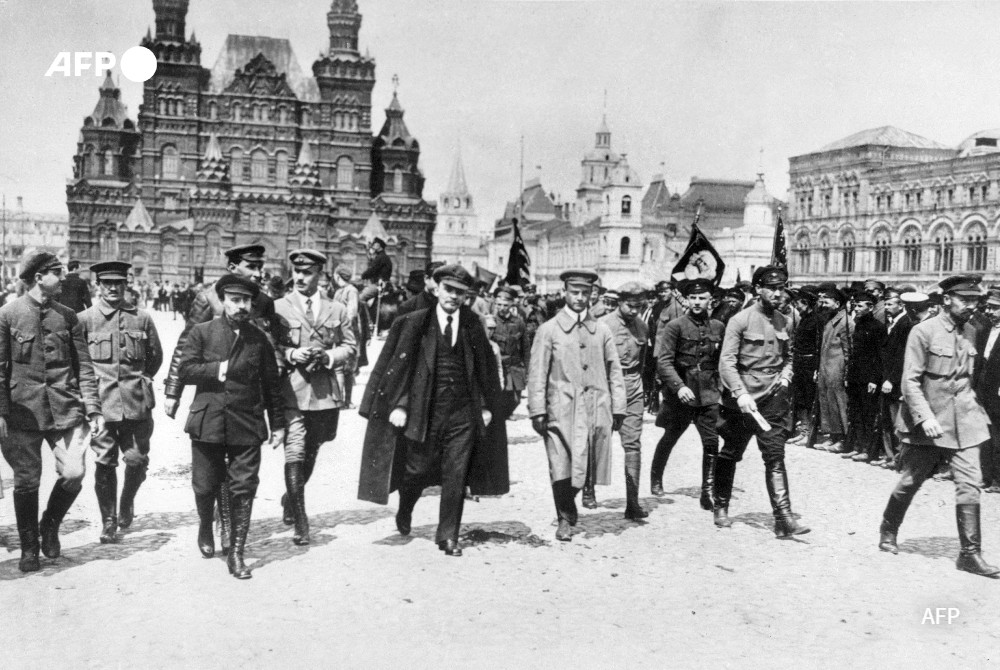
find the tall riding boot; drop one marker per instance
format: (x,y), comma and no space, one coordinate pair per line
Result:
(348,390)
(970,558)
(408,497)
(26,511)
(776,479)
(725,473)
(295,483)
(564,496)
(657,467)
(106,488)
(60,500)
(633,465)
(225,500)
(134,477)
(206,538)
(892,517)
(589,494)
(242,506)
(707,479)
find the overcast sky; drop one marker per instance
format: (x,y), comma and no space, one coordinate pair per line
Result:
(700,88)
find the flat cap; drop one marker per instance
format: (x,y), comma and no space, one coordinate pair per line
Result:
(631,290)
(110,270)
(864,296)
(344,272)
(830,290)
(807,293)
(507,292)
(415,282)
(874,282)
(993,296)
(734,293)
(662,285)
(41,262)
(246,252)
(432,266)
(303,258)
(579,277)
(612,295)
(697,285)
(769,275)
(454,275)
(964,285)
(379,240)
(231,283)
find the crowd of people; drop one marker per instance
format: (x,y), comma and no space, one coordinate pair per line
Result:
(884,375)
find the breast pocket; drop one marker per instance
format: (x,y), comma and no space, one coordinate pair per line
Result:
(782,341)
(135,345)
(20,345)
(293,334)
(100,345)
(940,360)
(57,347)
(754,344)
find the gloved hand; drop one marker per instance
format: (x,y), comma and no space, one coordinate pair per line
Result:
(540,424)
(617,421)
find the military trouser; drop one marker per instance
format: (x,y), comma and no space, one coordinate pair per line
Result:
(862,408)
(917,463)
(675,417)
(23,451)
(130,437)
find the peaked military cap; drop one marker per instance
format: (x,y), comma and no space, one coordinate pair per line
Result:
(993,296)
(344,272)
(41,262)
(303,258)
(914,298)
(231,283)
(769,275)
(454,275)
(246,252)
(432,266)
(964,285)
(875,282)
(864,296)
(578,277)
(697,285)
(507,292)
(631,290)
(110,270)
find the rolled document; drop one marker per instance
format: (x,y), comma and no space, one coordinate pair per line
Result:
(761,421)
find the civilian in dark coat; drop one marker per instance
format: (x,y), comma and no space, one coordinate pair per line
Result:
(898,324)
(233,366)
(75,291)
(420,434)
(864,380)
(988,390)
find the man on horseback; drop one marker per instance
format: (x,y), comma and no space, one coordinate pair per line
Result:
(379,271)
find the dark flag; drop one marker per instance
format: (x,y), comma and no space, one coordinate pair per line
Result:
(700,259)
(518,261)
(484,275)
(779,255)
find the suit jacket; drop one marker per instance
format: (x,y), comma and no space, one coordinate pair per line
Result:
(865,363)
(333,332)
(403,377)
(422,300)
(75,292)
(893,352)
(126,353)
(988,375)
(47,380)
(231,411)
(207,306)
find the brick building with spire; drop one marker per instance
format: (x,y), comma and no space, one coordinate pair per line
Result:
(251,150)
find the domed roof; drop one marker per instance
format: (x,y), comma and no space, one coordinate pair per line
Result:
(983,142)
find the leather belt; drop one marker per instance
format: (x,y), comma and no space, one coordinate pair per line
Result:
(769,370)
(632,370)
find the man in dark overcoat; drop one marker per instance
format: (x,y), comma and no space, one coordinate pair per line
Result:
(75,290)
(429,402)
(233,366)
(988,390)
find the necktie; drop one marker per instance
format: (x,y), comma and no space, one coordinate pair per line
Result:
(309,311)
(447,332)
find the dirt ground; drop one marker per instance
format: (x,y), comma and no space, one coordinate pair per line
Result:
(672,592)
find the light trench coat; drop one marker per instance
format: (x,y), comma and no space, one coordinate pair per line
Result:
(575,380)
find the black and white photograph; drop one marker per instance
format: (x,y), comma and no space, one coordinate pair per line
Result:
(499,334)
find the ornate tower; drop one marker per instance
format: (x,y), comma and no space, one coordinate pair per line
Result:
(395,157)
(344,70)
(457,237)
(597,168)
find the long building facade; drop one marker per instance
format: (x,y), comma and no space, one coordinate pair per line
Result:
(890,204)
(252,150)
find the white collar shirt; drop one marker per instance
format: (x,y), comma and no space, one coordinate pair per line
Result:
(313,309)
(442,318)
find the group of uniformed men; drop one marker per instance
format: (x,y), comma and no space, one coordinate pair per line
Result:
(448,378)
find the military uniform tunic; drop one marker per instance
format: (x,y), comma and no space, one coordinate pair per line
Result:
(630,340)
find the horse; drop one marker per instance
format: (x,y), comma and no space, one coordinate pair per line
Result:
(387,304)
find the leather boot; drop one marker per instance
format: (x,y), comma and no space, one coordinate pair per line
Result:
(287,508)
(725,473)
(242,507)
(26,512)
(892,517)
(294,482)
(656,468)
(134,477)
(106,488)
(60,500)
(225,501)
(564,496)
(408,497)
(589,494)
(970,558)
(633,465)
(206,538)
(776,480)
(707,479)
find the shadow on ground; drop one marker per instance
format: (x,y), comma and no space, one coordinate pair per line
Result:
(931,547)
(78,556)
(474,534)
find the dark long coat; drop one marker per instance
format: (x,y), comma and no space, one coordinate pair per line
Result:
(988,374)
(231,412)
(403,377)
(893,352)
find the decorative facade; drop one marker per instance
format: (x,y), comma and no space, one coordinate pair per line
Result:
(457,237)
(25,233)
(250,151)
(889,204)
(625,234)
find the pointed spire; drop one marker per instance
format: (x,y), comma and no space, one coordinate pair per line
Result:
(213,152)
(109,83)
(193,38)
(456,184)
(139,217)
(394,106)
(305,154)
(149,34)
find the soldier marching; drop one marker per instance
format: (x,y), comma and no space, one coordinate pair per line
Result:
(893,377)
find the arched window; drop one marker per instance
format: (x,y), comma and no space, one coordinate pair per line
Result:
(170,258)
(624,247)
(213,247)
(161,106)
(237,112)
(397,180)
(976,254)
(883,253)
(236,165)
(824,253)
(171,163)
(258,166)
(89,164)
(108,167)
(281,168)
(345,172)
(802,254)
(911,250)
(944,250)
(847,254)
(626,204)
(213,111)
